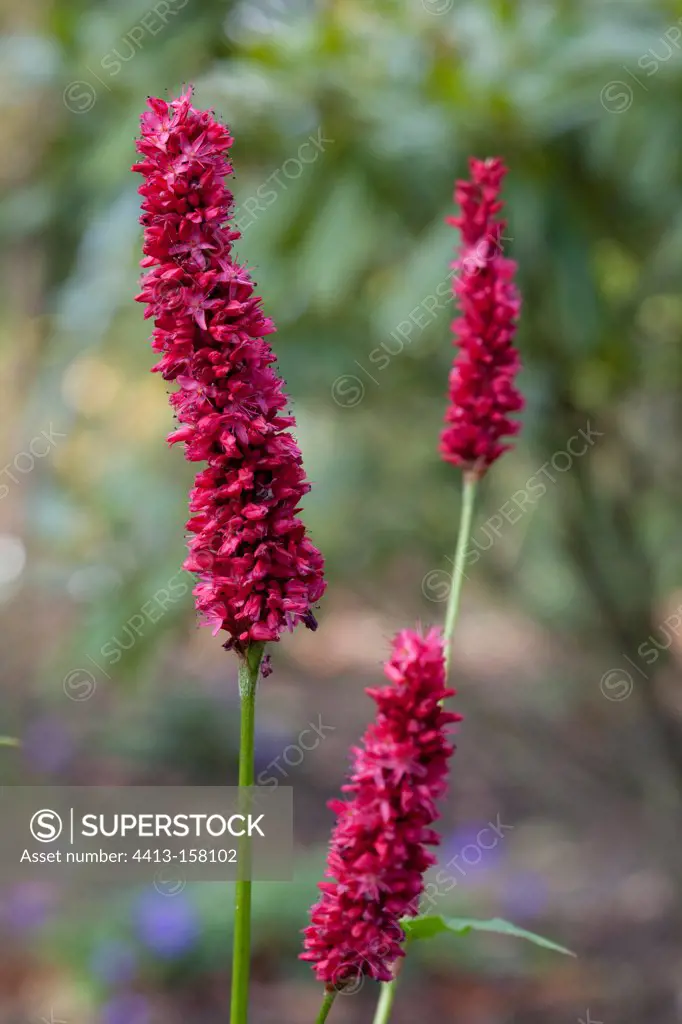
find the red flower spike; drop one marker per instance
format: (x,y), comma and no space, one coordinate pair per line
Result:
(377,855)
(482,392)
(258,573)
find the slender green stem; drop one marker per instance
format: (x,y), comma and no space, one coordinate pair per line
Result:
(469,482)
(327,1003)
(465,521)
(388,990)
(241,959)
(9,741)
(385,1004)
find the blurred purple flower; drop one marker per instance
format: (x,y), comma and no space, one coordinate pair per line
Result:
(525,895)
(114,962)
(167,925)
(471,849)
(28,906)
(270,742)
(47,744)
(126,1009)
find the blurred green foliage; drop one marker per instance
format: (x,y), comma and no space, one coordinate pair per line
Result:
(355,240)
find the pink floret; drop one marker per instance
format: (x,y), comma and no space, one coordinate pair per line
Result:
(482,392)
(258,573)
(378,852)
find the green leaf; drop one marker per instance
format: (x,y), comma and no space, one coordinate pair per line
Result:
(427,926)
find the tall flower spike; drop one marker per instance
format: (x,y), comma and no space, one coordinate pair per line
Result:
(482,392)
(258,573)
(378,852)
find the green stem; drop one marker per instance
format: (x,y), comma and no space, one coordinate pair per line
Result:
(327,1003)
(469,482)
(468,495)
(241,959)
(9,741)
(385,1004)
(388,989)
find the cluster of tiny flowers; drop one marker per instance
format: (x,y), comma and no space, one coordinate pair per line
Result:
(378,852)
(481,391)
(258,573)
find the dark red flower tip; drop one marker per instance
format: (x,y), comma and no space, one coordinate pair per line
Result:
(258,573)
(481,388)
(378,851)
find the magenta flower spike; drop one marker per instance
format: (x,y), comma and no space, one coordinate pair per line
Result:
(482,392)
(378,852)
(258,573)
